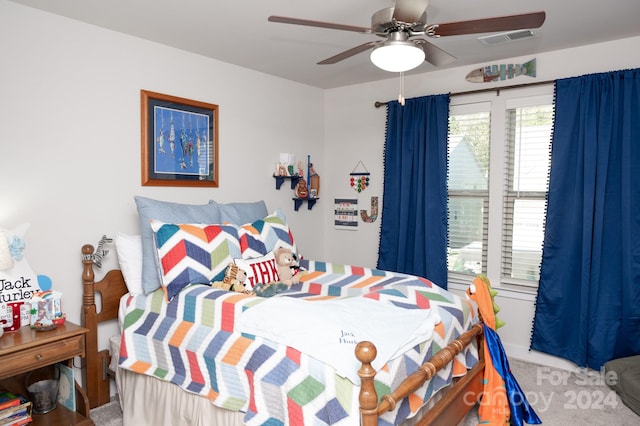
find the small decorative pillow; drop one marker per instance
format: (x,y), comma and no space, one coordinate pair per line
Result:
(265,235)
(260,270)
(193,253)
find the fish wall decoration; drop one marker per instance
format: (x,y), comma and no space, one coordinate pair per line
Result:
(502,72)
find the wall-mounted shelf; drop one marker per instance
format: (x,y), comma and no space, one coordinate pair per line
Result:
(280,180)
(298,202)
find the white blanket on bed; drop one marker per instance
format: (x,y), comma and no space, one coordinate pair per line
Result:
(329,330)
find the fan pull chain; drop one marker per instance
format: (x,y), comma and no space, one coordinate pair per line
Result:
(401,95)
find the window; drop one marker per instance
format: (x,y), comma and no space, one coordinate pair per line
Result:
(499,149)
(468,187)
(528,136)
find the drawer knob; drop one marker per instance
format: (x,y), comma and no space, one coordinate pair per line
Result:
(38,357)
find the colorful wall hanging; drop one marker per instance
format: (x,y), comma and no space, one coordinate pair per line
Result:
(359,177)
(346,213)
(500,72)
(370,218)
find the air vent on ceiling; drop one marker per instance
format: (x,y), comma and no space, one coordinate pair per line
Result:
(504,37)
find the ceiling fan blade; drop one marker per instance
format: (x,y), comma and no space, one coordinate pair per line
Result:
(319,24)
(433,54)
(409,11)
(349,53)
(489,25)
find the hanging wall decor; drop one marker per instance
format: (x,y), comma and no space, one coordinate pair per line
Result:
(359,177)
(179,141)
(370,218)
(498,72)
(346,213)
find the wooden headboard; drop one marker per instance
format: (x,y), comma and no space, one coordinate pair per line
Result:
(111,288)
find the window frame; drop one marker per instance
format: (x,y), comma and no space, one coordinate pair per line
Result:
(499,102)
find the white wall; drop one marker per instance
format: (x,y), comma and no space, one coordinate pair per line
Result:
(70,146)
(355,130)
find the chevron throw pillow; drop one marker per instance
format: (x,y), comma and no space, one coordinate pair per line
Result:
(265,235)
(193,253)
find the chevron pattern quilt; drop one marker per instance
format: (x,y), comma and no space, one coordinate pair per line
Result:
(191,342)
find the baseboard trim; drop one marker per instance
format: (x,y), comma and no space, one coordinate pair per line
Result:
(535,357)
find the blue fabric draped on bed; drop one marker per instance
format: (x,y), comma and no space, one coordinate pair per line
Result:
(413,235)
(588,303)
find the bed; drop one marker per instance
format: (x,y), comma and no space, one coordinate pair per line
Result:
(197,357)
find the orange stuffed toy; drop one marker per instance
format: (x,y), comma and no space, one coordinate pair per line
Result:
(503,402)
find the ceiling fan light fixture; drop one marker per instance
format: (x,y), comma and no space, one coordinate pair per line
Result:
(397,56)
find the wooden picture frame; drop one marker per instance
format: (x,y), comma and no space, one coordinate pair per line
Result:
(179,141)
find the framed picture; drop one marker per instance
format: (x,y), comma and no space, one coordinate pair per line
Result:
(179,141)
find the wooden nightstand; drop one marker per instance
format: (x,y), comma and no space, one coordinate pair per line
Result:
(26,349)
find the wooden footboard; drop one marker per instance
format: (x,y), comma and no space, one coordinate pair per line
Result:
(111,288)
(447,411)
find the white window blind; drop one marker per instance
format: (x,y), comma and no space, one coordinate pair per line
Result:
(468,187)
(527,156)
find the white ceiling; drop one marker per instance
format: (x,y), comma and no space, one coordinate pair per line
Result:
(237,31)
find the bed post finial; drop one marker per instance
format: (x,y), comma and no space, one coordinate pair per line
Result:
(366,352)
(88,296)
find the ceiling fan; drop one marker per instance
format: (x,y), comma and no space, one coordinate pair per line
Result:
(399,51)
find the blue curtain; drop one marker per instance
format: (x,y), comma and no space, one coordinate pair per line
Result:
(588,303)
(413,235)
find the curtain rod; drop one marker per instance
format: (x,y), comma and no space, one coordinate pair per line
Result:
(378,104)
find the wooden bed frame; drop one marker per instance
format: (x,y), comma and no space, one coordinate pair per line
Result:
(449,410)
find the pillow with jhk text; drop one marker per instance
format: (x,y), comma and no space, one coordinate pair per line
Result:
(260,270)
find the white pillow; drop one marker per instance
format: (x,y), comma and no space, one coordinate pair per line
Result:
(129,248)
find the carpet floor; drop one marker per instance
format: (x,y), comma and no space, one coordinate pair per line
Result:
(563,398)
(108,414)
(559,397)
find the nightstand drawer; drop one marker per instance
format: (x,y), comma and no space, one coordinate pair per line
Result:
(43,355)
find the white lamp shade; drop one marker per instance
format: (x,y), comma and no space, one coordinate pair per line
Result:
(6,261)
(397,56)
